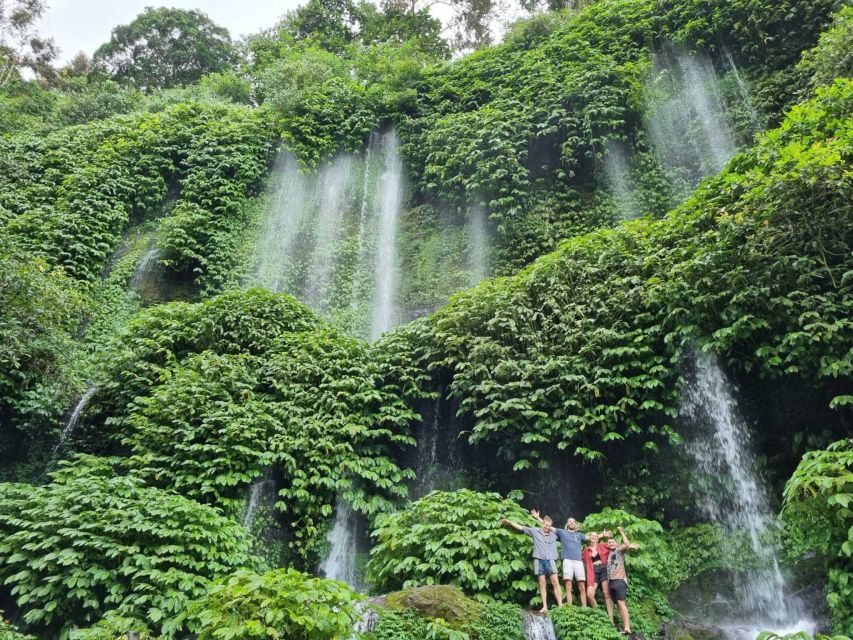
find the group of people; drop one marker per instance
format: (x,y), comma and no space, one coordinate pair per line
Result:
(601,562)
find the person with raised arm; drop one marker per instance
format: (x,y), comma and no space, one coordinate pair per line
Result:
(595,562)
(571,539)
(618,577)
(544,558)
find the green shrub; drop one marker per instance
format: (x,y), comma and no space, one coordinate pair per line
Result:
(91,542)
(833,56)
(278,604)
(576,623)
(454,538)
(818,517)
(206,396)
(493,621)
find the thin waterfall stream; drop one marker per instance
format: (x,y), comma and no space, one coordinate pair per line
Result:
(340,563)
(74,419)
(538,627)
(731,493)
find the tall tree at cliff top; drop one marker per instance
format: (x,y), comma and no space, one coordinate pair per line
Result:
(166,48)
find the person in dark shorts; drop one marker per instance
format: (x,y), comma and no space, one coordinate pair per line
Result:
(544,558)
(618,578)
(595,562)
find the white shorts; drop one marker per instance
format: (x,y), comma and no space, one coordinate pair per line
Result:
(573,570)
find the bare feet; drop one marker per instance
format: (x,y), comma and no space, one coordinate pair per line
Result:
(543,610)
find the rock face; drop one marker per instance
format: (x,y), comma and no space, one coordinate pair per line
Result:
(684,630)
(436,601)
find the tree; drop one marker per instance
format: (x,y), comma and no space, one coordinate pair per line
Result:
(20,44)
(470,23)
(166,48)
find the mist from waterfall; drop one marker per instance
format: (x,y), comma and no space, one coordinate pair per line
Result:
(477,231)
(340,563)
(686,120)
(257,495)
(618,179)
(390,190)
(731,493)
(330,235)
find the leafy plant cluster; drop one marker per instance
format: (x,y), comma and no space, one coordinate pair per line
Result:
(93,541)
(454,538)
(576,623)
(818,514)
(282,603)
(204,398)
(581,350)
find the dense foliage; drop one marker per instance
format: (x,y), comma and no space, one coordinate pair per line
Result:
(581,350)
(454,538)
(574,623)
(205,397)
(275,605)
(92,541)
(818,512)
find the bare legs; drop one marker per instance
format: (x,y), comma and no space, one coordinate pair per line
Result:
(623,613)
(581,591)
(558,593)
(543,594)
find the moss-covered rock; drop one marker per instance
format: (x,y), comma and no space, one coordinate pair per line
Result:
(437,601)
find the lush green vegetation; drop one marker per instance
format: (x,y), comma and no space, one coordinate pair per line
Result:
(818,512)
(132,522)
(93,541)
(203,397)
(580,350)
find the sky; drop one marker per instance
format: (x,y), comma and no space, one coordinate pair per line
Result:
(84,25)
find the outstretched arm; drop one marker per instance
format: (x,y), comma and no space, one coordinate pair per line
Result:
(535,514)
(626,544)
(512,524)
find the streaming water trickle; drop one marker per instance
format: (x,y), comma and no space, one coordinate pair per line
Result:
(143,269)
(538,627)
(478,244)
(743,90)
(731,493)
(687,123)
(618,181)
(257,492)
(340,563)
(74,419)
(390,189)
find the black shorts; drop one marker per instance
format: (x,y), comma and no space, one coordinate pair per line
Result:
(618,590)
(600,573)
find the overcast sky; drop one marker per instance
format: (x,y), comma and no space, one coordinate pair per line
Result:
(84,25)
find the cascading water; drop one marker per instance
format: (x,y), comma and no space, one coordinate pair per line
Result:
(478,244)
(330,236)
(538,627)
(686,121)
(731,494)
(384,312)
(257,492)
(143,270)
(74,419)
(618,181)
(335,181)
(340,563)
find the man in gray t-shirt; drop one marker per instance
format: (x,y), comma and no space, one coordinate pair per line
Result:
(544,558)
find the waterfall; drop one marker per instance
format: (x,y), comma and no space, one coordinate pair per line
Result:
(384,312)
(538,627)
(686,121)
(335,181)
(292,200)
(143,269)
(74,419)
(257,491)
(340,563)
(743,90)
(733,494)
(478,244)
(618,181)
(344,213)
